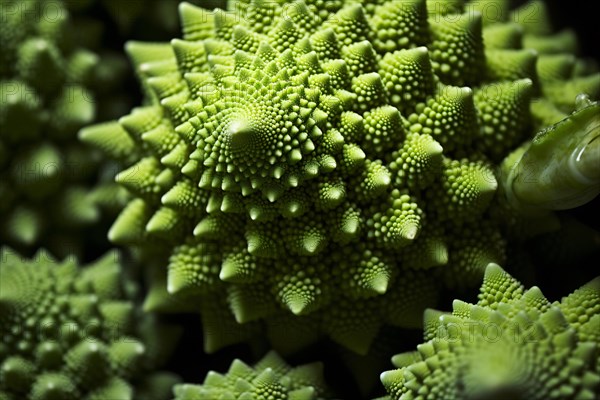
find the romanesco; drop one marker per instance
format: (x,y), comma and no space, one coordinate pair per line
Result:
(72,334)
(271,378)
(512,344)
(314,168)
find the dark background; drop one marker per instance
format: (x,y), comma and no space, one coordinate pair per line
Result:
(582,16)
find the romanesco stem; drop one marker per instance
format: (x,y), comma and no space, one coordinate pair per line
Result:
(560,168)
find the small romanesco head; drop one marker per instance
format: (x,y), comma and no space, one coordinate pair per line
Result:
(512,344)
(72,334)
(317,166)
(47,93)
(271,378)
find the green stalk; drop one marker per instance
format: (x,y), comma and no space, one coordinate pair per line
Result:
(560,168)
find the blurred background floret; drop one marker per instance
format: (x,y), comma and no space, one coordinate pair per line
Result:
(52,84)
(72,333)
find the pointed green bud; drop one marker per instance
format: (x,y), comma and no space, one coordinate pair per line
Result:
(129,226)
(239,267)
(503,36)
(164,221)
(457,50)
(296,302)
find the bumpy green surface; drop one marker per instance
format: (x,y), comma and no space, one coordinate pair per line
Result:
(271,378)
(512,344)
(73,334)
(316,165)
(45,97)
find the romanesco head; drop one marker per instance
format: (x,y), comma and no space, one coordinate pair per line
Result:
(70,333)
(309,164)
(512,344)
(271,378)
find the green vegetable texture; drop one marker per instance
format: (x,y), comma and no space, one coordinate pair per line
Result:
(47,93)
(271,378)
(307,178)
(512,344)
(315,168)
(74,333)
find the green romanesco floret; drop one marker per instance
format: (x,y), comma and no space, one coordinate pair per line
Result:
(306,168)
(47,93)
(512,344)
(271,378)
(71,334)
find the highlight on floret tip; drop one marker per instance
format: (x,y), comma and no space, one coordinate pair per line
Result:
(271,378)
(74,333)
(512,344)
(315,164)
